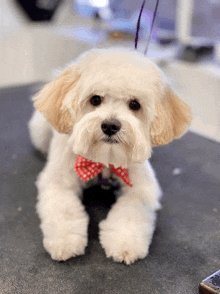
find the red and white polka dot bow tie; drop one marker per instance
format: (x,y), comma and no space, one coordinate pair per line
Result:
(87,169)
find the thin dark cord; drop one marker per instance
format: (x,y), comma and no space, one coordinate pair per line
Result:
(138,24)
(152,25)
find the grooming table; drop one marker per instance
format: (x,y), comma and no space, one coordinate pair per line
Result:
(186,244)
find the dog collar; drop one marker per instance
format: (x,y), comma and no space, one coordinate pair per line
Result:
(87,169)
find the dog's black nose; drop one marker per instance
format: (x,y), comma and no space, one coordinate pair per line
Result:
(110,127)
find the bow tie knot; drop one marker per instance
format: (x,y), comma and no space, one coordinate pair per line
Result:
(87,169)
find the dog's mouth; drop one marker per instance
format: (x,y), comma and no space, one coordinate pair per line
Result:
(110,140)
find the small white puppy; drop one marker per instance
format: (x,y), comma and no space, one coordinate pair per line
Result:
(103,113)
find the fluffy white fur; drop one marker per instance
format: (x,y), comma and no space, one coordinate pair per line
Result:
(73,125)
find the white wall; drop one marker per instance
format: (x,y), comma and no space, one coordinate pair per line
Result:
(199,86)
(30,51)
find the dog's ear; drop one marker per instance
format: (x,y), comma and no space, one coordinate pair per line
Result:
(172,119)
(49,101)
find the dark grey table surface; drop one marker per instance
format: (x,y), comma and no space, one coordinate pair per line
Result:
(186,243)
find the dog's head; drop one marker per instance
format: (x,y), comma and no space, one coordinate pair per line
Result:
(115,105)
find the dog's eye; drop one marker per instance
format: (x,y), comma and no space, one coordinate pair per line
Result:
(134,105)
(96,100)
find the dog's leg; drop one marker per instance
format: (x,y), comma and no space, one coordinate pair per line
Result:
(40,132)
(64,222)
(127,232)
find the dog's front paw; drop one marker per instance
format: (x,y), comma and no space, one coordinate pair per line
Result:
(125,241)
(65,247)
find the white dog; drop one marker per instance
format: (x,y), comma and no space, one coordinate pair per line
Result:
(104,113)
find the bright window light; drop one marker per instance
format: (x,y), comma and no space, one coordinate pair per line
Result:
(99,3)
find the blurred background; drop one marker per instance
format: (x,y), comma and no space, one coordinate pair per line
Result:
(39,36)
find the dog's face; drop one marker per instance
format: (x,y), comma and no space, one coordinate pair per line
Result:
(115,105)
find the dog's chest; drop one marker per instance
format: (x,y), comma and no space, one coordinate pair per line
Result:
(108,184)
(107,180)
(106,173)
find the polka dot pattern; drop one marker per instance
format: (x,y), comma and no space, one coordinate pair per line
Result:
(87,169)
(122,173)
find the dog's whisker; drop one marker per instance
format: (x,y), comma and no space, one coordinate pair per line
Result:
(89,130)
(121,137)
